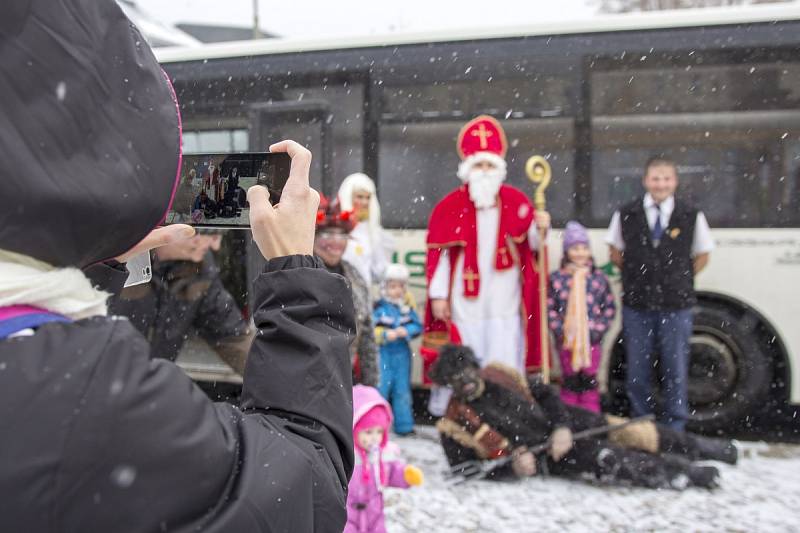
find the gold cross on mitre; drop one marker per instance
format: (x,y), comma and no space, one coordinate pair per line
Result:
(484,134)
(471,277)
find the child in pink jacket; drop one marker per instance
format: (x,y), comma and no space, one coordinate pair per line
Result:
(378,463)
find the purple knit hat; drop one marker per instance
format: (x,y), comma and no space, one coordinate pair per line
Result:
(574,234)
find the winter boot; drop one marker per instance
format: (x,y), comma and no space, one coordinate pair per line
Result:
(708,448)
(704,476)
(683,473)
(696,447)
(620,466)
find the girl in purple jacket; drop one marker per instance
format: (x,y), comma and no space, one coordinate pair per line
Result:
(378,463)
(581,308)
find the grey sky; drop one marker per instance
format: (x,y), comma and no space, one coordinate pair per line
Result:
(310,18)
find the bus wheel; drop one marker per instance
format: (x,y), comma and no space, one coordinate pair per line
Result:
(729,374)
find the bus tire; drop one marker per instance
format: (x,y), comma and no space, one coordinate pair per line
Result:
(729,372)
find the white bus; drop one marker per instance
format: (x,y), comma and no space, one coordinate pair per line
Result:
(718,89)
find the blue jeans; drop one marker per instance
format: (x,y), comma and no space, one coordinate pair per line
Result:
(668,334)
(395,384)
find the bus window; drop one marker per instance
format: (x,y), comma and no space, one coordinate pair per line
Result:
(215,141)
(417,167)
(418,164)
(733,135)
(537,94)
(421,113)
(345,100)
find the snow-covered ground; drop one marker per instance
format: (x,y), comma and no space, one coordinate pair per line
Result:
(762,493)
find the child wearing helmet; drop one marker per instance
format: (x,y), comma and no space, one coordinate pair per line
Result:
(378,463)
(396,323)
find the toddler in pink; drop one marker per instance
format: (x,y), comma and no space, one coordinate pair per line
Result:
(378,463)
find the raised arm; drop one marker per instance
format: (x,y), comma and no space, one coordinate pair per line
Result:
(298,371)
(299,365)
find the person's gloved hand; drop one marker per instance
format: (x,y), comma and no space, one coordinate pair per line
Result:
(287,228)
(413,475)
(523,462)
(560,443)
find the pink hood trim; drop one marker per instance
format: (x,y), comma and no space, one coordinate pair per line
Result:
(366,398)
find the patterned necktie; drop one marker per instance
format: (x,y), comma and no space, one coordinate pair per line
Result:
(658,229)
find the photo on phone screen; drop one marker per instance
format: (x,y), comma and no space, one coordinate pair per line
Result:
(213,187)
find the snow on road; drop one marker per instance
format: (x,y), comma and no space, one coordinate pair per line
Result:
(762,493)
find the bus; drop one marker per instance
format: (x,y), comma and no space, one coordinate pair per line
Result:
(717,88)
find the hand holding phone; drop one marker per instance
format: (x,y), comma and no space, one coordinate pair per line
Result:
(288,227)
(211,192)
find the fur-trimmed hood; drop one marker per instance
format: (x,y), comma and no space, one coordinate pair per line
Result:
(364,400)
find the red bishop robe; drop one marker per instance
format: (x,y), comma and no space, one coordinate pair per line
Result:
(453,227)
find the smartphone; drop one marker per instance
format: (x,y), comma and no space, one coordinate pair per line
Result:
(139,269)
(212,192)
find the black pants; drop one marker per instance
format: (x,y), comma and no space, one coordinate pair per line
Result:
(602,461)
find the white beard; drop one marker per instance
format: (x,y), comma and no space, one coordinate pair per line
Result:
(484,186)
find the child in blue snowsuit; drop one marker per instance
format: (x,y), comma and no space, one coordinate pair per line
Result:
(396,323)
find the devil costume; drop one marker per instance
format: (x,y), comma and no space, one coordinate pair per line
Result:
(507,411)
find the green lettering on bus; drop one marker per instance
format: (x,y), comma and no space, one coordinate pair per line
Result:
(415,261)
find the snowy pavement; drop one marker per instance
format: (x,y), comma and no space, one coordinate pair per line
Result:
(762,493)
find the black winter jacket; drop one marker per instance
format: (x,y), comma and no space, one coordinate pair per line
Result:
(184,298)
(97,436)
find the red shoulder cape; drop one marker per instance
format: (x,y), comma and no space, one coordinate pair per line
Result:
(453,226)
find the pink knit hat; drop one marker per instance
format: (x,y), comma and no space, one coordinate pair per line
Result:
(370,409)
(375,417)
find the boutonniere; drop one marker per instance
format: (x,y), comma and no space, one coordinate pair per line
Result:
(674,232)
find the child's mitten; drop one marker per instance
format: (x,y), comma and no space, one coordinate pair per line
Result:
(413,475)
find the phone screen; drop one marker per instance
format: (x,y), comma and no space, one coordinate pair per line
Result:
(213,187)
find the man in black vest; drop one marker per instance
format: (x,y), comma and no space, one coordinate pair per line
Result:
(660,243)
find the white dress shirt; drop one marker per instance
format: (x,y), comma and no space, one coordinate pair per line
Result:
(702,241)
